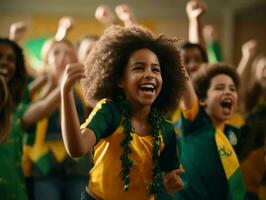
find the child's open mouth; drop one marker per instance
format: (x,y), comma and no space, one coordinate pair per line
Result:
(3,72)
(149,88)
(227,104)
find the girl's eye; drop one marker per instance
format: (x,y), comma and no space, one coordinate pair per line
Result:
(233,89)
(138,68)
(219,88)
(156,69)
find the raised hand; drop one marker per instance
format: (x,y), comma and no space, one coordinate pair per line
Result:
(249,49)
(104,15)
(125,14)
(172,181)
(73,73)
(195,9)
(64,25)
(17,30)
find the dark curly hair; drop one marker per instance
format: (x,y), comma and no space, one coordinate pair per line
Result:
(14,88)
(203,77)
(189,45)
(106,62)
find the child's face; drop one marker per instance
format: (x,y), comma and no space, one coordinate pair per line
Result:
(142,81)
(59,56)
(84,49)
(221,99)
(191,59)
(7,61)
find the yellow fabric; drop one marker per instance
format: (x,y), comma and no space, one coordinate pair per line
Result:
(105,182)
(176,115)
(93,112)
(190,114)
(253,169)
(227,154)
(40,146)
(237,120)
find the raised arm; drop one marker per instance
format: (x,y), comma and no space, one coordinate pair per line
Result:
(17,30)
(125,14)
(195,9)
(64,25)
(244,69)
(77,142)
(189,94)
(104,15)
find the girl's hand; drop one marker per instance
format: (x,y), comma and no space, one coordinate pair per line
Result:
(17,30)
(125,14)
(73,72)
(172,181)
(64,25)
(104,14)
(249,49)
(195,9)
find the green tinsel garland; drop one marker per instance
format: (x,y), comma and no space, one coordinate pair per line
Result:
(126,162)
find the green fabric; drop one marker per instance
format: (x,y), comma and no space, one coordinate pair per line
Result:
(237,184)
(46,163)
(214,52)
(33,48)
(12,183)
(200,158)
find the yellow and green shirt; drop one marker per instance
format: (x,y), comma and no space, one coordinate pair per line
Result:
(105,182)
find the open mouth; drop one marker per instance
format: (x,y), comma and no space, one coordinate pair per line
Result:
(227,103)
(149,87)
(3,72)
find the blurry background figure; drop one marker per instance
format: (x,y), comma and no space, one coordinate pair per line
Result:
(84,46)
(53,174)
(212,44)
(12,93)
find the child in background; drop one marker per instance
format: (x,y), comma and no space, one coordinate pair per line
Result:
(54,174)
(84,46)
(209,146)
(130,73)
(12,90)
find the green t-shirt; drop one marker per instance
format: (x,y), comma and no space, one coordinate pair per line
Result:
(12,183)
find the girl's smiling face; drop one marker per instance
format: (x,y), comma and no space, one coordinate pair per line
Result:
(142,81)
(7,61)
(59,56)
(221,100)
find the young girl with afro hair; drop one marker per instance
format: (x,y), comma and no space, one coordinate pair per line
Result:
(133,80)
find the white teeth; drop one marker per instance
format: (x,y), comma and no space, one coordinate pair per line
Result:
(148,86)
(227,101)
(3,71)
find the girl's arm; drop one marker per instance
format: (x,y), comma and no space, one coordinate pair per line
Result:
(41,108)
(189,95)
(244,70)
(77,142)
(195,9)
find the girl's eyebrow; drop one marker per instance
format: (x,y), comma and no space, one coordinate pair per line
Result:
(143,62)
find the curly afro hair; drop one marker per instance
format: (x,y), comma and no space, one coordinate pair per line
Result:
(203,77)
(106,62)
